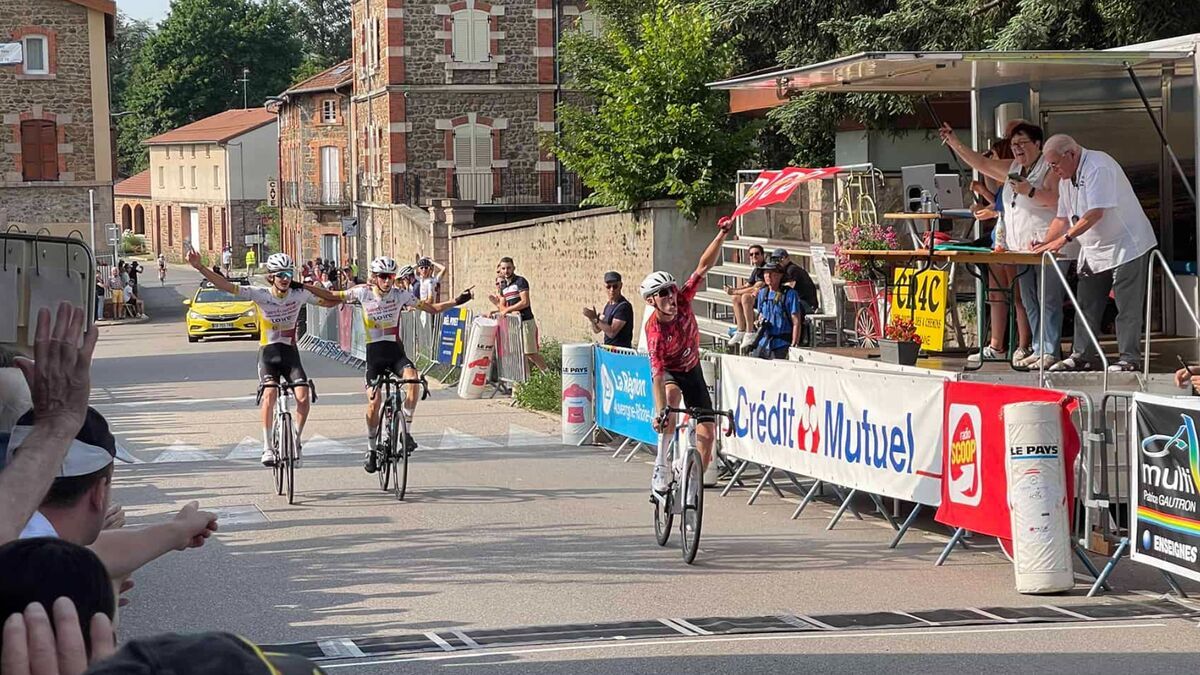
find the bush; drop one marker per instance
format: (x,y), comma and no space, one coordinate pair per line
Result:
(543,389)
(132,244)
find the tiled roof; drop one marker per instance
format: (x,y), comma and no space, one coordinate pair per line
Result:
(218,128)
(324,80)
(135,186)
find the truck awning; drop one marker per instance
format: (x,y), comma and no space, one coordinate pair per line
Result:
(937,72)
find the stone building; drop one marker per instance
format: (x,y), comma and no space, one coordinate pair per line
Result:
(132,203)
(315,165)
(55,121)
(450,100)
(208,178)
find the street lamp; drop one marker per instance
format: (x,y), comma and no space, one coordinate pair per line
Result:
(245,79)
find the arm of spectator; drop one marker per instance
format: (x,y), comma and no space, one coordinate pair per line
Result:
(59,384)
(992,168)
(115,518)
(124,551)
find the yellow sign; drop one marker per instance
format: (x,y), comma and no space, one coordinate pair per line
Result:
(921,296)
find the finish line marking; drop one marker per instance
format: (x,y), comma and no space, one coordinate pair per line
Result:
(195,401)
(341,648)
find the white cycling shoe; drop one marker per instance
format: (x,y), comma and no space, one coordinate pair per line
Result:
(661,482)
(268,457)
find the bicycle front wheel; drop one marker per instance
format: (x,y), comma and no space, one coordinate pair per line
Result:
(400,433)
(693,507)
(383,447)
(277,467)
(288,457)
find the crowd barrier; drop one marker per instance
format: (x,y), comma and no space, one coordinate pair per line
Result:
(510,350)
(821,423)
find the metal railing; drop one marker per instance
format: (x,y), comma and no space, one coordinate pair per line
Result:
(510,350)
(504,186)
(1157,255)
(1048,257)
(316,195)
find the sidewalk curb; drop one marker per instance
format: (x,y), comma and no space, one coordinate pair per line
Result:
(123,322)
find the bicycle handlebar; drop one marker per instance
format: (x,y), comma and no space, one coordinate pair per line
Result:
(399,382)
(285,387)
(700,412)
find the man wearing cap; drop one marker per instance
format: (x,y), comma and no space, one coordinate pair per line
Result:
(617,320)
(795,276)
(781,314)
(78,501)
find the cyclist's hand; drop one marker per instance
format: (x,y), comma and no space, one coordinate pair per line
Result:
(296,285)
(464,297)
(193,526)
(59,377)
(660,422)
(725,224)
(193,258)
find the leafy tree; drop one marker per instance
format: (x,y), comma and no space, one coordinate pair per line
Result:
(325,31)
(131,36)
(189,68)
(650,127)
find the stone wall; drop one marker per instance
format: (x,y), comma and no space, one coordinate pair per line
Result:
(169,231)
(565,258)
(61,209)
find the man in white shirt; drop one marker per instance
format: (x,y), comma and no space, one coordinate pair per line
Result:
(1098,208)
(429,278)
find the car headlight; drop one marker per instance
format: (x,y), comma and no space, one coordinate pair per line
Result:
(249,312)
(195,315)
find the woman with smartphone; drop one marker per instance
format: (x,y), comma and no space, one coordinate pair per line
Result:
(1031,202)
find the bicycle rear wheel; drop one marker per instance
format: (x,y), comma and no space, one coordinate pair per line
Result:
(288,456)
(277,467)
(693,507)
(383,447)
(399,455)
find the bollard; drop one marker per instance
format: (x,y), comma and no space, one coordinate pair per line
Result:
(1037,498)
(480,352)
(577,394)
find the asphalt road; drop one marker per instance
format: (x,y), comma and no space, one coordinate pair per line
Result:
(506,528)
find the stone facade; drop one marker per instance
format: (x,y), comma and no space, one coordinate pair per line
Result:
(71,101)
(134,213)
(169,231)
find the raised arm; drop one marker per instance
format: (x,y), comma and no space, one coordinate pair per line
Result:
(993,168)
(439,307)
(709,258)
(322,293)
(213,278)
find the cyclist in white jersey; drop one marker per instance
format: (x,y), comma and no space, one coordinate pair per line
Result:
(382,302)
(278,309)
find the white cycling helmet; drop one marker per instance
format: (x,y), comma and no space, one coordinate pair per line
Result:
(383,265)
(656,282)
(280,262)
(406,272)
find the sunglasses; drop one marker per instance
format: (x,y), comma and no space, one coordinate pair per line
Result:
(666,292)
(1054,165)
(285,275)
(385,276)
(616,285)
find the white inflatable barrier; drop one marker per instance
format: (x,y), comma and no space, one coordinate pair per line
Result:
(1037,498)
(577,393)
(477,362)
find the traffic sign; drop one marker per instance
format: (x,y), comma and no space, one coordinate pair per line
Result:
(253,239)
(272,192)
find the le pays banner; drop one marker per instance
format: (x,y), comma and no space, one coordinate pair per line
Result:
(1165,467)
(833,425)
(975,489)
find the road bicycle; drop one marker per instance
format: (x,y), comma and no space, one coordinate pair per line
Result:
(391,461)
(283,433)
(685,495)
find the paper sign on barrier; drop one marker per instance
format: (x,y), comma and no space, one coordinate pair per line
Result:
(1165,468)
(833,425)
(975,490)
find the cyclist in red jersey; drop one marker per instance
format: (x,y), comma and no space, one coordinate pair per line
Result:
(673,341)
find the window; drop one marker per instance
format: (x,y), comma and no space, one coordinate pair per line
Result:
(473,162)
(329,111)
(216,177)
(39,150)
(193,175)
(162,177)
(37,54)
(181,176)
(589,23)
(193,152)
(372,46)
(207,151)
(469,36)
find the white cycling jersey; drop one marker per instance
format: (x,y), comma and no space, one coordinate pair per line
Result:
(381,311)
(277,315)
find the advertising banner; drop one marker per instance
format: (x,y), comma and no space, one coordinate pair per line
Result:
(450,338)
(876,432)
(921,296)
(624,399)
(1165,467)
(577,393)
(975,490)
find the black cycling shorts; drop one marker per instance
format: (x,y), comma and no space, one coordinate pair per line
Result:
(277,360)
(386,357)
(695,390)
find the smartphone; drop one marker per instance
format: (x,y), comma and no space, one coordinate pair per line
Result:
(1016,177)
(1189,372)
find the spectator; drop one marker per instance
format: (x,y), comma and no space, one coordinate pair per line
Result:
(1097,207)
(124,267)
(227,258)
(1185,379)
(514,297)
(617,320)
(43,569)
(217,269)
(250,260)
(795,276)
(134,269)
(781,313)
(99,294)
(43,644)
(76,507)
(14,397)
(743,300)
(201,654)
(429,278)
(133,304)
(353,265)
(59,385)
(116,288)
(325,282)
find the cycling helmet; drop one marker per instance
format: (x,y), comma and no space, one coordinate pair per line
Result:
(383,265)
(406,272)
(656,282)
(424,262)
(280,262)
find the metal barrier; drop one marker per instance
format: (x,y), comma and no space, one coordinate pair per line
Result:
(1048,257)
(1157,255)
(510,350)
(1105,493)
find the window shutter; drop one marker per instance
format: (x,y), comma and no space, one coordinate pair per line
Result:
(460,37)
(49,151)
(479,37)
(483,148)
(31,151)
(464,159)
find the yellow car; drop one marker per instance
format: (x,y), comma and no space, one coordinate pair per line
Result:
(212,312)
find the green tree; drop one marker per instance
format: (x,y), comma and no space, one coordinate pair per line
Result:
(131,36)
(325,31)
(189,68)
(649,127)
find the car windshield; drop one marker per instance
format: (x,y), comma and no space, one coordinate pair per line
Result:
(216,295)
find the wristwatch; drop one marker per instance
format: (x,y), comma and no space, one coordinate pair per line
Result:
(1068,238)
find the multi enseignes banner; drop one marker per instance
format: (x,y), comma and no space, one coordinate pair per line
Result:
(875,431)
(1165,468)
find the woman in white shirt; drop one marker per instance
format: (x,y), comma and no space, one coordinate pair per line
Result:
(1030,199)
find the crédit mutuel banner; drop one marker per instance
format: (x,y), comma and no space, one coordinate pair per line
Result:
(874,431)
(1165,468)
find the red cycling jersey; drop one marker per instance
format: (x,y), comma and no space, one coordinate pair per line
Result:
(675,346)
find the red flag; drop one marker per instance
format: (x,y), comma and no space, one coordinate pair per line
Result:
(772,187)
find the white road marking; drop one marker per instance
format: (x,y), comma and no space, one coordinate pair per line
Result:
(437,640)
(1068,612)
(160,402)
(911,616)
(990,615)
(818,624)
(676,627)
(692,627)
(339,648)
(855,635)
(465,639)
(521,436)
(453,439)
